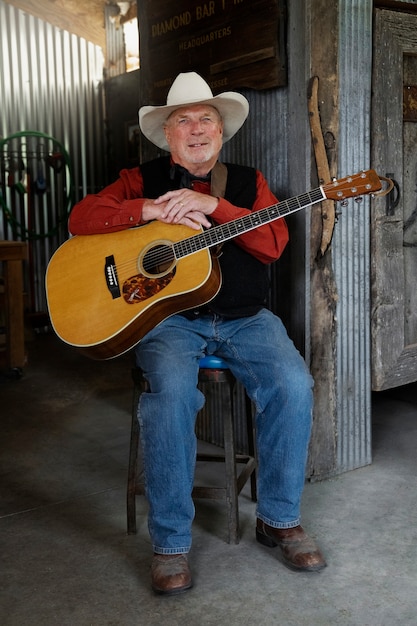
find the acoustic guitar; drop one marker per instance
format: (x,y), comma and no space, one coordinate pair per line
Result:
(105,292)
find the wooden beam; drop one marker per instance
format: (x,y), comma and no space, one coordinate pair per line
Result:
(323,297)
(395,5)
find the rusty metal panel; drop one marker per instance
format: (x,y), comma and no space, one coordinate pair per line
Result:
(209,426)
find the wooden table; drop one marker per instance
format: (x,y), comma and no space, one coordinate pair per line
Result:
(12,255)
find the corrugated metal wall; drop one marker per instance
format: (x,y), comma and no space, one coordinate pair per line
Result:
(51,85)
(351,241)
(262,142)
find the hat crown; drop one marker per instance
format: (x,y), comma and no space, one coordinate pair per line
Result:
(188,87)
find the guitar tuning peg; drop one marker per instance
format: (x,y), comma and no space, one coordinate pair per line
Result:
(344,202)
(358,199)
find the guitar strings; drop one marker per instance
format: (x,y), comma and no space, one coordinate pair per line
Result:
(164,254)
(152,259)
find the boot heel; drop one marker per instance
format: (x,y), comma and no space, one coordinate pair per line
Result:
(265,540)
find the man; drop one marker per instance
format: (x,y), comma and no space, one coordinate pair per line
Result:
(191,187)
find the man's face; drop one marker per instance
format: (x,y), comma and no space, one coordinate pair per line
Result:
(195,136)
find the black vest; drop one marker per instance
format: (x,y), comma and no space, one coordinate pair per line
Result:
(245,280)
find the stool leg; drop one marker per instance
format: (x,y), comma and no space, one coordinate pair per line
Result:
(133,463)
(231,472)
(251,444)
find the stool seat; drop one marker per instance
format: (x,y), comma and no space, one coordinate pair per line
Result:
(211,361)
(212,370)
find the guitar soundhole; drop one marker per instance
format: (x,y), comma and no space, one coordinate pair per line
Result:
(157,260)
(156,267)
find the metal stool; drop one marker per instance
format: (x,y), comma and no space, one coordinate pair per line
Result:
(212,370)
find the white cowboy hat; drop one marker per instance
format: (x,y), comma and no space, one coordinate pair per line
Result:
(188,89)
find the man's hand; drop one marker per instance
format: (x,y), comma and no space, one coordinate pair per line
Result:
(181,206)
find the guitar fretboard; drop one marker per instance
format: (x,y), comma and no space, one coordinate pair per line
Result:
(223,232)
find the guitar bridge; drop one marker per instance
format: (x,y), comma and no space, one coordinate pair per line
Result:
(112,280)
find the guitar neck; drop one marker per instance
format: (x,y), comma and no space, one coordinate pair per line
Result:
(223,232)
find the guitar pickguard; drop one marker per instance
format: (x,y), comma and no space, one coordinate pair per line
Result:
(139,287)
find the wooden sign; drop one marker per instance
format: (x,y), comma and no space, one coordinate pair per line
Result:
(231,43)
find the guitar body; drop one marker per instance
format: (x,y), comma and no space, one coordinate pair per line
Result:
(104,295)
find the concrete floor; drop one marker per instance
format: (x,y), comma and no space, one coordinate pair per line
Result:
(66,558)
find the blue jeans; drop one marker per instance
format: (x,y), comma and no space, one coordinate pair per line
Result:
(265,360)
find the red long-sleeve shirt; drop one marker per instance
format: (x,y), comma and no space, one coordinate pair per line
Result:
(119,206)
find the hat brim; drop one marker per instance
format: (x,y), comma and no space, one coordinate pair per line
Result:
(232,106)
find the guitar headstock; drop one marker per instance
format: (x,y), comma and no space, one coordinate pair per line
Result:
(360,184)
